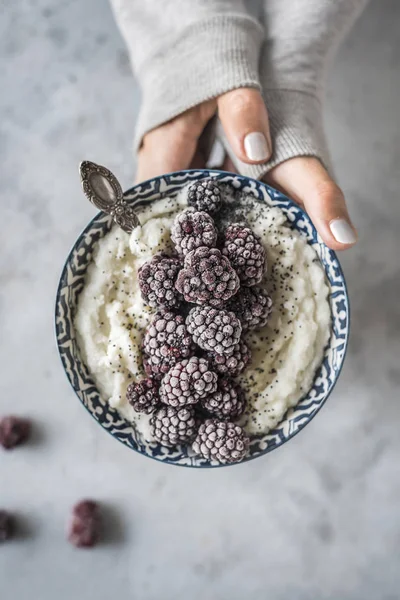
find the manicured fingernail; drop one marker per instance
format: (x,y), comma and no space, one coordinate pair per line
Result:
(256,146)
(343,232)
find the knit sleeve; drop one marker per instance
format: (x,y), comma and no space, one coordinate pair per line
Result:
(300,41)
(184,52)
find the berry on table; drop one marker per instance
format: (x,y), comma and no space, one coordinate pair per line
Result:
(84,528)
(6,526)
(14,431)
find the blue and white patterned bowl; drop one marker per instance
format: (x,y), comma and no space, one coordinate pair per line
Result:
(72,282)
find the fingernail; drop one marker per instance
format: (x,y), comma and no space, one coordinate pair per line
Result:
(343,232)
(256,146)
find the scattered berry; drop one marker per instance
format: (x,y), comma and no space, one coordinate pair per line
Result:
(157,281)
(205,195)
(84,529)
(192,230)
(252,306)
(6,526)
(222,441)
(246,253)
(207,277)
(227,402)
(172,426)
(187,382)
(232,364)
(13,431)
(165,342)
(143,396)
(214,330)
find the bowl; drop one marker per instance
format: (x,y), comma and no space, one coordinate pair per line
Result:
(72,282)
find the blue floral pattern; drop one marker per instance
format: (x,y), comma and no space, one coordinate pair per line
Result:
(72,282)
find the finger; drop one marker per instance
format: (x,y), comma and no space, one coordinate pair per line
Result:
(172,146)
(244,118)
(228,165)
(306,181)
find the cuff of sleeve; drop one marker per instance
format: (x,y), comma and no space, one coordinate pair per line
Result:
(210,58)
(296,130)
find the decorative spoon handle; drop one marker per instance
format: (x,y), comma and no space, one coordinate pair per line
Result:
(103,190)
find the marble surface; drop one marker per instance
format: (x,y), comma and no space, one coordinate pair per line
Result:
(318,519)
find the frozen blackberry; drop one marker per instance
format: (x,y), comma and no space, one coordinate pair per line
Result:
(6,526)
(205,195)
(232,364)
(165,342)
(13,431)
(214,330)
(143,396)
(227,402)
(252,306)
(222,441)
(187,382)
(192,230)
(157,281)
(207,277)
(246,253)
(84,528)
(172,426)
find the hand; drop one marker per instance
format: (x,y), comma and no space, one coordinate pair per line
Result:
(306,181)
(175,145)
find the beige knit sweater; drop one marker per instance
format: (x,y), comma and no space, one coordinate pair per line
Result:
(186,51)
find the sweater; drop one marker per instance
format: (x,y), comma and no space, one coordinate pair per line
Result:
(184,52)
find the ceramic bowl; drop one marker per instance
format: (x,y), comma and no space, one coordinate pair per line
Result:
(72,282)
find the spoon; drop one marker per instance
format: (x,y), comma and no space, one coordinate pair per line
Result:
(103,190)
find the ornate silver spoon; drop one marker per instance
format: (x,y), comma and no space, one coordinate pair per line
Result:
(103,190)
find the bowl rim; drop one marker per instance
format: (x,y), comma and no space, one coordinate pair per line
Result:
(290,435)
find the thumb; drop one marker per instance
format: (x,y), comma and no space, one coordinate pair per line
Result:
(172,146)
(244,119)
(306,181)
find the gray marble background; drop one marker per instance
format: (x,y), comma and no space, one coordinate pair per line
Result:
(317,520)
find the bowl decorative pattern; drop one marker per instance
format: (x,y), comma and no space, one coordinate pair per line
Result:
(72,282)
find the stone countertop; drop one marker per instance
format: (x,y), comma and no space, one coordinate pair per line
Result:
(318,519)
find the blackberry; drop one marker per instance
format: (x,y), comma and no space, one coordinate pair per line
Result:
(214,330)
(207,277)
(6,526)
(165,342)
(13,431)
(227,402)
(232,364)
(252,306)
(187,382)
(172,426)
(157,281)
(246,253)
(192,230)
(222,441)
(84,528)
(205,195)
(143,396)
